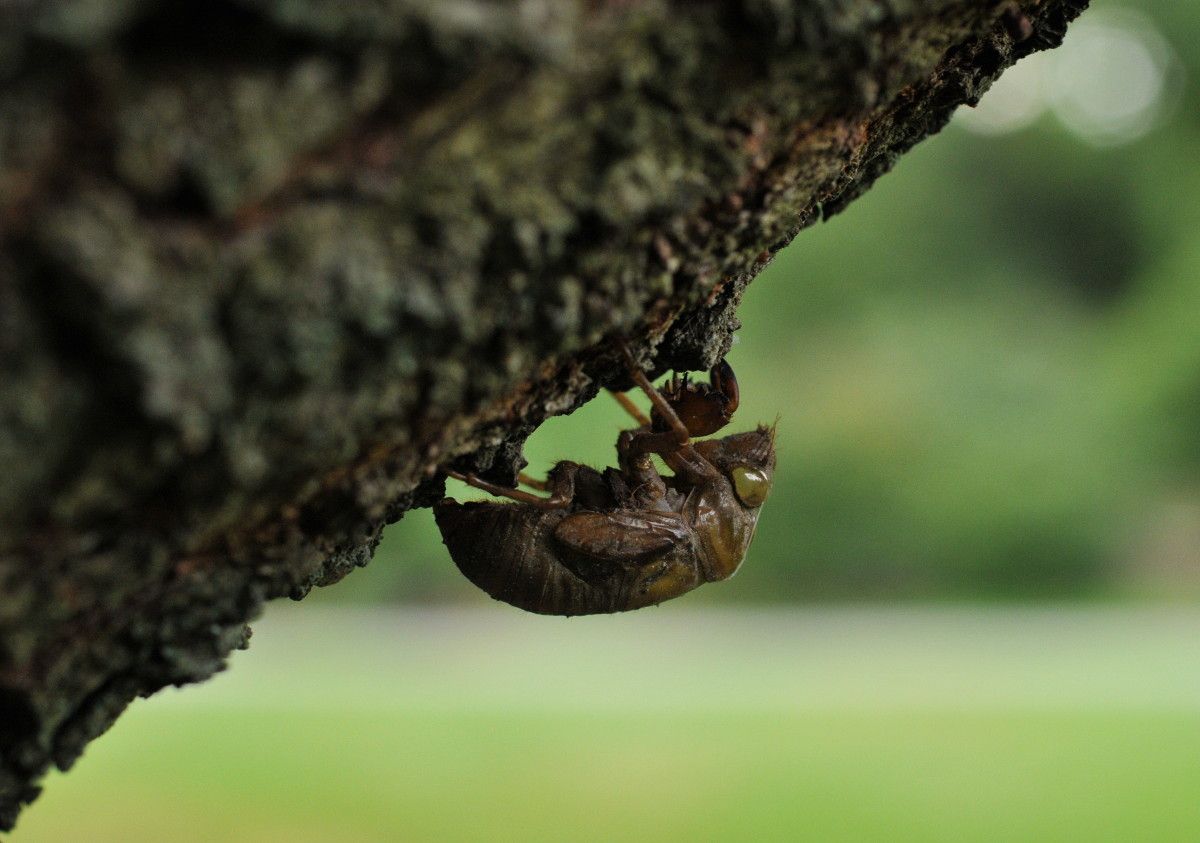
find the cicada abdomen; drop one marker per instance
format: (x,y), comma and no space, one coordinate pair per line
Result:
(550,561)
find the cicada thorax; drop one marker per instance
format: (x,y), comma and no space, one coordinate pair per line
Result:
(517,555)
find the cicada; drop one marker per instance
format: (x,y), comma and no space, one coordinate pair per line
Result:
(627,537)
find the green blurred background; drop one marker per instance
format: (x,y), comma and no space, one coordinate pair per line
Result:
(970,612)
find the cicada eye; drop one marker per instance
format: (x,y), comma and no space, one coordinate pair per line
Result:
(751,485)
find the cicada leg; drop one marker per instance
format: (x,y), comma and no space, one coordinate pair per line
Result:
(532,482)
(562,487)
(724,381)
(643,421)
(677,430)
(627,404)
(673,444)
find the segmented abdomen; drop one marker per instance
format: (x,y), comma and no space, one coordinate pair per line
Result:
(507,550)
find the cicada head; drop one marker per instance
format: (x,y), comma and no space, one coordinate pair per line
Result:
(747,460)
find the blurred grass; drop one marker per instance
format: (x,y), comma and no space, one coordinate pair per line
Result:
(851,776)
(933,724)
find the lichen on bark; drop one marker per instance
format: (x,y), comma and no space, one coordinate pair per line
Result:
(267,268)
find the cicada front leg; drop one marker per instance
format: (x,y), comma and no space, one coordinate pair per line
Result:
(676,432)
(672,444)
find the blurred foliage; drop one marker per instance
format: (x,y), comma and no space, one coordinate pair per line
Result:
(987,375)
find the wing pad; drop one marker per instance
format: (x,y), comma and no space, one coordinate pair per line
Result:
(622,536)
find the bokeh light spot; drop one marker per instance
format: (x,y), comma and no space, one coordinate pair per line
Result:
(1109,83)
(1014,102)
(1113,80)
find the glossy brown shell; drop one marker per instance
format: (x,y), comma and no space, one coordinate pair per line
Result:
(511,552)
(704,408)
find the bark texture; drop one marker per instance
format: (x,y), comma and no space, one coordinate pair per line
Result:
(266,266)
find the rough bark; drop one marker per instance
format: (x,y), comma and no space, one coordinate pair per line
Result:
(266,267)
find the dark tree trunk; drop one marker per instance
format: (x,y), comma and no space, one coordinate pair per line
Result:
(267,266)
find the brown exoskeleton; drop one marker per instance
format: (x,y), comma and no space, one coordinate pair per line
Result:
(704,407)
(628,537)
